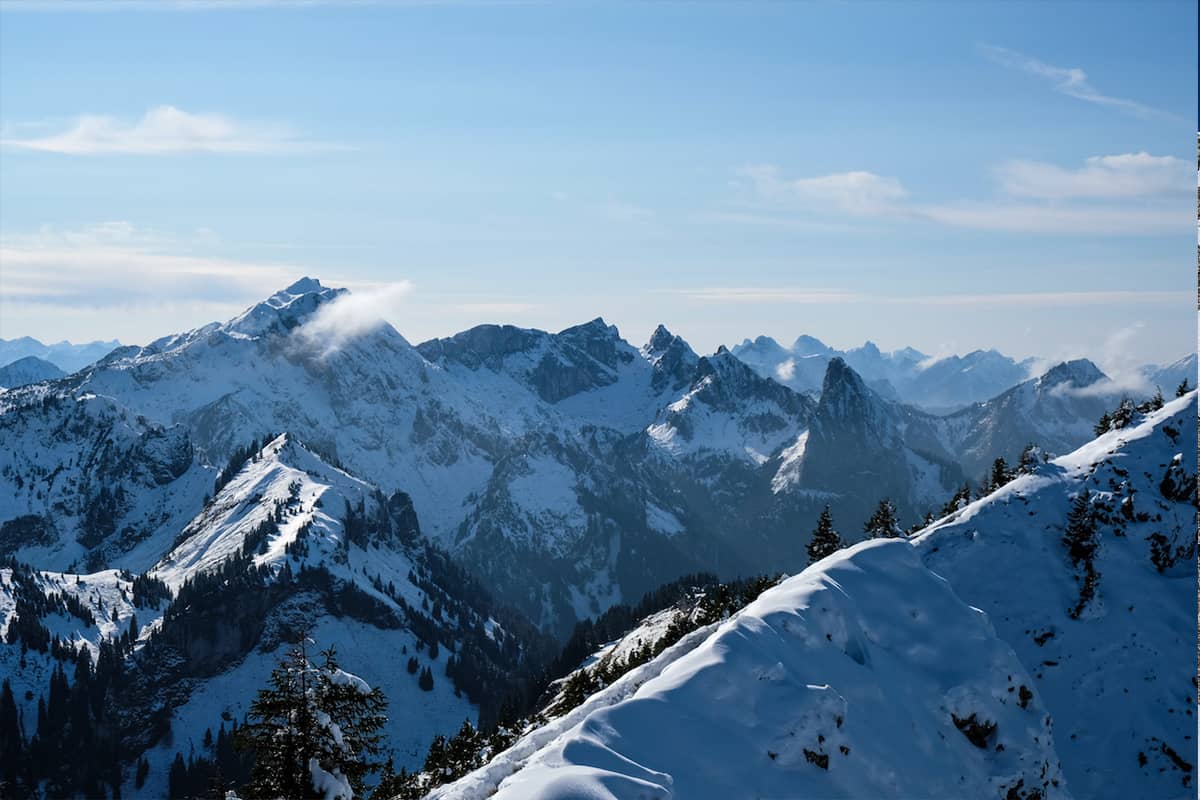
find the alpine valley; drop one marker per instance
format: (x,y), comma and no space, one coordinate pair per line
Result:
(576,544)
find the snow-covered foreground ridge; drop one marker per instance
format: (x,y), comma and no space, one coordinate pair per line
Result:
(949,665)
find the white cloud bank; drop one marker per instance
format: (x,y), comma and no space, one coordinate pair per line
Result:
(165,130)
(1126,175)
(1036,197)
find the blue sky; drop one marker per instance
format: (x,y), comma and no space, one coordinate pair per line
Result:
(947,176)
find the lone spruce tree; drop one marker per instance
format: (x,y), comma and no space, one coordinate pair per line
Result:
(825,540)
(883,523)
(314,731)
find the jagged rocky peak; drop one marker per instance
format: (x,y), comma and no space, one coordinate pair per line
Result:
(284,310)
(846,398)
(599,340)
(1075,374)
(660,340)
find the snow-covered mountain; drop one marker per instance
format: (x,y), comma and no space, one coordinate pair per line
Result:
(568,470)
(64,355)
(29,369)
(1172,375)
(288,546)
(908,375)
(1038,643)
(86,485)
(1056,411)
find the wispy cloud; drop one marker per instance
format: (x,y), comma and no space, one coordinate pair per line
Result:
(1126,175)
(117,265)
(1071,81)
(824,296)
(1033,198)
(1032,218)
(164,130)
(768,294)
(862,193)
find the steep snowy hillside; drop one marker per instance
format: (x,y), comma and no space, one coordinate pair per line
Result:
(30,369)
(937,385)
(875,673)
(85,484)
(289,545)
(863,677)
(1116,671)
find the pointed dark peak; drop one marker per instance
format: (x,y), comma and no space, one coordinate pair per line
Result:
(722,350)
(660,340)
(841,382)
(1076,374)
(673,359)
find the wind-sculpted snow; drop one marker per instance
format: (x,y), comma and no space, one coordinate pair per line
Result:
(865,676)
(1120,679)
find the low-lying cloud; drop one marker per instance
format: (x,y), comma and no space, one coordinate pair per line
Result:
(351,315)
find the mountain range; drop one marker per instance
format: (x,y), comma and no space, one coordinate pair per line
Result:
(457,506)
(569,470)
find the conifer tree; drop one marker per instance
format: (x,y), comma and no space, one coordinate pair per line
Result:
(960,500)
(1080,534)
(883,523)
(1182,388)
(825,540)
(11,743)
(1000,474)
(313,723)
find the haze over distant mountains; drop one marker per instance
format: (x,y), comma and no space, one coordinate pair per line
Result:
(66,356)
(936,384)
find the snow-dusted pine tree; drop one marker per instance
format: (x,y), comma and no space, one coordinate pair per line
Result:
(314,731)
(883,523)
